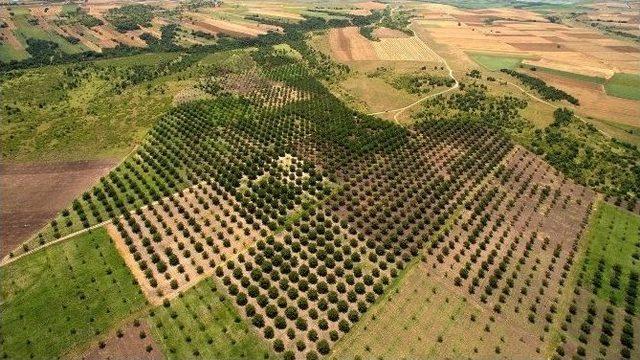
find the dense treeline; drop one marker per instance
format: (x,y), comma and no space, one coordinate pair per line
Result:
(130,17)
(44,52)
(421,83)
(367,31)
(79,16)
(546,91)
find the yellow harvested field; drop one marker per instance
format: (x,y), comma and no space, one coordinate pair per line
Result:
(557,46)
(566,64)
(275,12)
(370,5)
(360,12)
(438,9)
(383,32)
(594,101)
(227,27)
(403,49)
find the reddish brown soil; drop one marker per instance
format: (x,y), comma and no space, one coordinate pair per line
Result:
(625,49)
(33,193)
(129,346)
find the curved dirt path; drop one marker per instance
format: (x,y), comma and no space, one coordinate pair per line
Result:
(555,106)
(456,84)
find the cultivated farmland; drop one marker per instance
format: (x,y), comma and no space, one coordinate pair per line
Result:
(302,181)
(403,49)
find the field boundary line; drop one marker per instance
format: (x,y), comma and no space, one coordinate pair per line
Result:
(8,259)
(565,299)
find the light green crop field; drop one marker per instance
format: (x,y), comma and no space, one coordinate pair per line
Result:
(50,116)
(9,53)
(203,323)
(614,240)
(496,62)
(626,86)
(63,296)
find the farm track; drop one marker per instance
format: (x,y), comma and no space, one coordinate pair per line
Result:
(554,106)
(399,111)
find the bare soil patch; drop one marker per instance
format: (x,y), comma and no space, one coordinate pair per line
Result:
(130,342)
(33,193)
(594,101)
(7,35)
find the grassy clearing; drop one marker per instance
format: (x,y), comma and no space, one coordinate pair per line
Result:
(496,62)
(50,116)
(626,86)
(613,241)
(63,296)
(9,53)
(287,50)
(626,133)
(202,322)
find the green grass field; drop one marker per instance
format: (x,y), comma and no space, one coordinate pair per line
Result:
(199,324)
(613,238)
(9,53)
(63,296)
(496,62)
(87,120)
(626,86)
